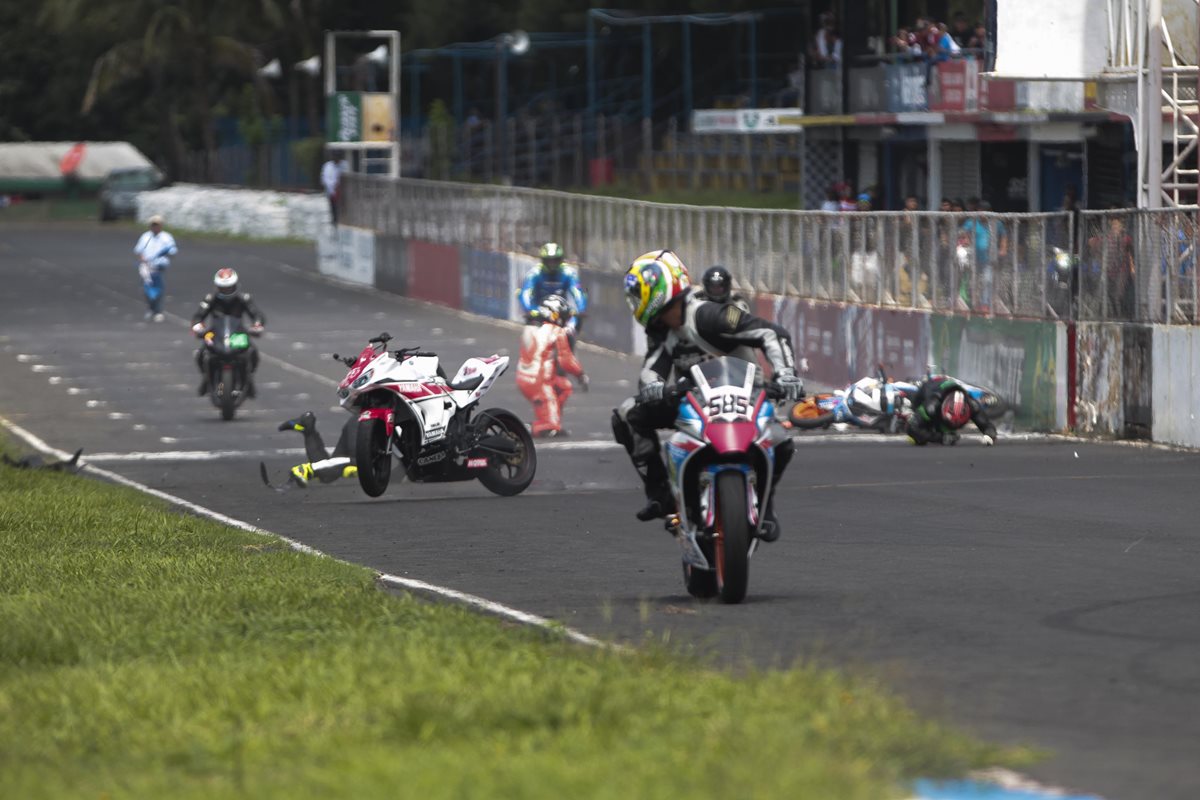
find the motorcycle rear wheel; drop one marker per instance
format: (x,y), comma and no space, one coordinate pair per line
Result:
(373,456)
(732,542)
(508,475)
(807,413)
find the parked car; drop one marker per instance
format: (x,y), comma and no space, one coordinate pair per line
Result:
(118,193)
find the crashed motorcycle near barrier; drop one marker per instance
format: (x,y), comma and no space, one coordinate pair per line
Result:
(408,410)
(877,403)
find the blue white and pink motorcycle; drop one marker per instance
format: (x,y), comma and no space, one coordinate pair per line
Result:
(721,464)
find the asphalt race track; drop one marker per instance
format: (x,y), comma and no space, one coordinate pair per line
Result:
(1038,592)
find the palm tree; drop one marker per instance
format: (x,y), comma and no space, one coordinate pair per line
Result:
(181,46)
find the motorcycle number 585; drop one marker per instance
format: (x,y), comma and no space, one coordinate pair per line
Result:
(728,404)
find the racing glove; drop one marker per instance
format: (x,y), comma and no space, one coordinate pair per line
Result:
(651,392)
(198,329)
(789,384)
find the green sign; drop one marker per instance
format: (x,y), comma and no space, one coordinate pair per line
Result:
(1017,359)
(343,117)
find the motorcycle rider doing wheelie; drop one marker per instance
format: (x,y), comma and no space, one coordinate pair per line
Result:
(683,329)
(940,407)
(545,357)
(229,302)
(552,277)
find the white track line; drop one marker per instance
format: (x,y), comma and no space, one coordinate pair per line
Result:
(189,455)
(471,600)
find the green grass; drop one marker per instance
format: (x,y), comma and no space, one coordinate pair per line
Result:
(144,653)
(59,209)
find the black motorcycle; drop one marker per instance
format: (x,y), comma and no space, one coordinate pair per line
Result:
(228,359)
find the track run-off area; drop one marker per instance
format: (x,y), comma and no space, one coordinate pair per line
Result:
(1041,592)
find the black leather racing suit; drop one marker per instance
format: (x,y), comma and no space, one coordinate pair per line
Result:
(238,305)
(926,424)
(709,329)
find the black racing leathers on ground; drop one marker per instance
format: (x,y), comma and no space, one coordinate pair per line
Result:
(926,424)
(324,466)
(709,329)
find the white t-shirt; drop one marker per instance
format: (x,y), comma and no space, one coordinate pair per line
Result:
(330,175)
(157,248)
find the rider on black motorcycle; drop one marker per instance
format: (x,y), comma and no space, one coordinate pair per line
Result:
(682,329)
(226,301)
(940,407)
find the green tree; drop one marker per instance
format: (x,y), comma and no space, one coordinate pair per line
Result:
(181,46)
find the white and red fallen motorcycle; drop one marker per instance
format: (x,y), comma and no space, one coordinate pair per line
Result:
(406,408)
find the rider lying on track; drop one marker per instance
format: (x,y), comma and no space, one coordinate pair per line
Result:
(322,465)
(681,330)
(940,407)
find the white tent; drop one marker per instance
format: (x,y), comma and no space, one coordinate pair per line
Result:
(33,164)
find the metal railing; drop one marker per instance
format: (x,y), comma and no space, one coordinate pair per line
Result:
(992,264)
(1138,265)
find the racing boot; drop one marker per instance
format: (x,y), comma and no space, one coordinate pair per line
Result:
(770,528)
(203,390)
(303,423)
(659,504)
(250,392)
(301,474)
(659,501)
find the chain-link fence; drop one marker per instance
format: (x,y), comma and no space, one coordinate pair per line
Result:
(1122,265)
(1138,266)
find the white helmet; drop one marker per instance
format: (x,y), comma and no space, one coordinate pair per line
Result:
(226,281)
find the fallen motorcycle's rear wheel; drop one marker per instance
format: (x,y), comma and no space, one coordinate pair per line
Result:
(507,474)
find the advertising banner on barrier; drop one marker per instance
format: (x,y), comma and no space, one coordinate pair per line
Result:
(843,344)
(897,340)
(519,265)
(817,335)
(608,322)
(434,274)
(348,253)
(1018,360)
(486,282)
(391,264)
(1098,352)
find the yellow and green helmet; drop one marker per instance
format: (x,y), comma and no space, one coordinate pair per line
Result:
(654,280)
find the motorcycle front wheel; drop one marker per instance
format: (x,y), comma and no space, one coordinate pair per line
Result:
(373,456)
(731,544)
(228,404)
(507,475)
